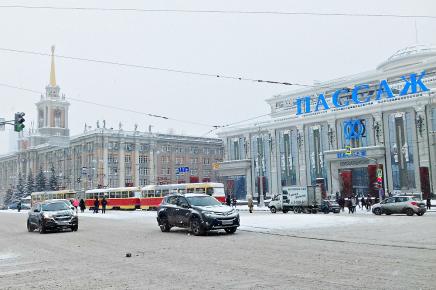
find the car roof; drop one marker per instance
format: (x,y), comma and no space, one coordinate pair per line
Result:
(187,194)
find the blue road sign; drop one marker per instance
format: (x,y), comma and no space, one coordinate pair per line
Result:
(182,169)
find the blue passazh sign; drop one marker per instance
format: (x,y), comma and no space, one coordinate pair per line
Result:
(412,85)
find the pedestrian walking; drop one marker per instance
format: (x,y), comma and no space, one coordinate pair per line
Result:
(362,201)
(103,205)
(82,205)
(353,204)
(368,203)
(342,203)
(19,206)
(76,204)
(250,203)
(349,205)
(228,200)
(428,203)
(234,201)
(96,205)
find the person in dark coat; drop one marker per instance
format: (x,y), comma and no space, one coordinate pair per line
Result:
(82,205)
(103,205)
(428,203)
(228,200)
(19,206)
(234,201)
(96,204)
(362,201)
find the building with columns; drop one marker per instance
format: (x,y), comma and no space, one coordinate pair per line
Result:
(353,135)
(104,156)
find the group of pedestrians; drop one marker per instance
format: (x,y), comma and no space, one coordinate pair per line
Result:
(78,204)
(231,200)
(353,201)
(97,205)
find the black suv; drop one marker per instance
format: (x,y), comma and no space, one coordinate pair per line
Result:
(198,212)
(52,215)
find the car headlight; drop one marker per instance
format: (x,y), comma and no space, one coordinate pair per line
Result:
(232,211)
(47,215)
(208,213)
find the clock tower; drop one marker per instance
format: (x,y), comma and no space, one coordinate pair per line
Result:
(52,113)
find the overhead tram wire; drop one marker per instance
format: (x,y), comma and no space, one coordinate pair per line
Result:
(222,76)
(247,12)
(113,107)
(215,127)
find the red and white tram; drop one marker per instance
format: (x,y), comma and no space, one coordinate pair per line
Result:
(117,198)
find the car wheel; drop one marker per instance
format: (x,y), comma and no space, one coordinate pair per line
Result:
(230,230)
(29,227)
(388,213)
(75,228)
(326,211)
(41,228)
(377,211)
(409,212)
(273,209)
(420,213)
(164,225)
(285,211)
(196,227)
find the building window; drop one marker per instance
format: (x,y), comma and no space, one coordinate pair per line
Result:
(129,147)
(206,161)
(194,160)
(236,149)
(143,159)
(317,142)
(261,155)
(127,159)
(401,135)
(179,160)
(166,148)
(288,157)
(164,159)
(128,170)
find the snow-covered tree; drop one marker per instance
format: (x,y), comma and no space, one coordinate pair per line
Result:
(20,192)
(53,181)
(30,184)
(40,182)
(8,196)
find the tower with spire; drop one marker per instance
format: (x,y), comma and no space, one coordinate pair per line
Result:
(52,113)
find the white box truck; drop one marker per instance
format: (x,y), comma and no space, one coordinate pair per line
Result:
(307,199)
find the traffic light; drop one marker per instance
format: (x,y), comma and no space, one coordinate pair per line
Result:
(379,180)
(18,122)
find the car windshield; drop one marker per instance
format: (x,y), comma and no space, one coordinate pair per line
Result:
(55,206)
(203,201)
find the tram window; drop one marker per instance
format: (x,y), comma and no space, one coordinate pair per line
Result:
(117,194)
(190,190)
(209,190)
(182,190)
(125,195)
(165,192)
(158,193)
(111,194)
(199,190)
(131,194)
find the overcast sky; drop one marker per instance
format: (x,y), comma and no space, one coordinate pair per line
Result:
(273,47)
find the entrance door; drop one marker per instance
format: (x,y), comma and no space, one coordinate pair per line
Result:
(346,182)
(354,181)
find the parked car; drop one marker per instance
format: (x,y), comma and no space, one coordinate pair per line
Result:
(400,204)
(328,206)
(52,215)
(198,212)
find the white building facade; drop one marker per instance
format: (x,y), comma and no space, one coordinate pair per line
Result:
(365,134)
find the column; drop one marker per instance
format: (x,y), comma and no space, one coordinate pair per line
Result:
(121,172)
(378,126)
(275,187)
(422,137)
(332,135)
(301,155)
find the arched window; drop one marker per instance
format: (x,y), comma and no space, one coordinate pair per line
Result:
(57,118)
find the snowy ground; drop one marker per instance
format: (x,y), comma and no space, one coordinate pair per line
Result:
(269,251)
